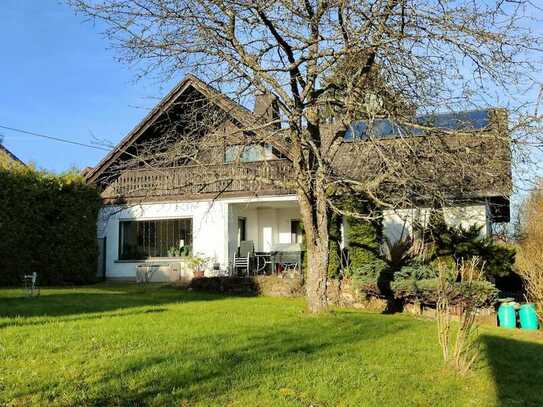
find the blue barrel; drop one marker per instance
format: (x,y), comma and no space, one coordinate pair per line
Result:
(507,316)
(528,317)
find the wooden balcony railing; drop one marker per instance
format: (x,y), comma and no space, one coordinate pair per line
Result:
(255,177)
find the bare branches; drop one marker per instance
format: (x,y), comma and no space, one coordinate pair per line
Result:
(332,64)
(458,343)
(529,253)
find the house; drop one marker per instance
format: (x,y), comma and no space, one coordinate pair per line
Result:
(152,214)
(7,157)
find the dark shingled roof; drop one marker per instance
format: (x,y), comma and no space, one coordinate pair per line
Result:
(472,159)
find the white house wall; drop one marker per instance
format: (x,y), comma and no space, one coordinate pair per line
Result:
(209,223)
(467,216)
(284,217)
(215,225)
(398,223)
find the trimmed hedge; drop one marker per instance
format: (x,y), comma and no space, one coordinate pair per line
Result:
(47,225)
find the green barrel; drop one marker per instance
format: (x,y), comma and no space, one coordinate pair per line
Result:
(507,315)
(528,317)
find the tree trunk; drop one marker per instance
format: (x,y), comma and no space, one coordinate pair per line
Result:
(316,279)
(314,214)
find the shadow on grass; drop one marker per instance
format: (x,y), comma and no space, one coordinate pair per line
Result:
(517,368)
(86,300)
(12,322)
(211,366)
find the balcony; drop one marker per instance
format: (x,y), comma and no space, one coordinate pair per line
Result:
(256,177)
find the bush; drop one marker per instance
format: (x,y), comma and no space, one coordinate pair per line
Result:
(414,282)
(499,258)
(48,226)
(463,244)
(416,272)
(458,342)
(481,292)
(373,277)
(421,283)
(364,242)
(363,236)
(530,252)
(401,252)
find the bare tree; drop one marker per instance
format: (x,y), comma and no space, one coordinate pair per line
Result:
(530,249)
(331,62)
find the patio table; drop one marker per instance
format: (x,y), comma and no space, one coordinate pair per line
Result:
(262,261)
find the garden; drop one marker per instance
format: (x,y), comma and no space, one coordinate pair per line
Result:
(158,345)
(145,344)
(427,254)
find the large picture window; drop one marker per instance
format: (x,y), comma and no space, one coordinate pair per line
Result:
(143,239)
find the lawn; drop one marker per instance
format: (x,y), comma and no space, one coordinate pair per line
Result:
(125,345)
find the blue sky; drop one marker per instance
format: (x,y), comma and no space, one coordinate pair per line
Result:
(60,79)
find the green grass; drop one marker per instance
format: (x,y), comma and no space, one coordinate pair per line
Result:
(123,345)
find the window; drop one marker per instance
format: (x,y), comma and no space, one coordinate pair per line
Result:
(154,238)
(248,153)
(242,230)
(387,128)
(296,231)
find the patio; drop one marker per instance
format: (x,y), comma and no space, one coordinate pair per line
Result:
(265,238)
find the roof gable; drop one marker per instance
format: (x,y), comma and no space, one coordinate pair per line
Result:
(242,115)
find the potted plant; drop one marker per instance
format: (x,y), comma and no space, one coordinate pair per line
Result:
(174,252)
(181,251)
(197,263)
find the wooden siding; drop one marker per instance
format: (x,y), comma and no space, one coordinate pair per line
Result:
(189,180)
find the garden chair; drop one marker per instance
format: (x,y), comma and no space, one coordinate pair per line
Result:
(31,284)
(242,259)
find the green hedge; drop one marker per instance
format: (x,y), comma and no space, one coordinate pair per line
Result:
(47,225)
(373,277)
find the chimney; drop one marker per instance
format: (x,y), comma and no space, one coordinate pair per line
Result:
(267,108)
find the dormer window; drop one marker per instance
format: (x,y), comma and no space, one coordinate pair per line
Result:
(387,128)
(248,153)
